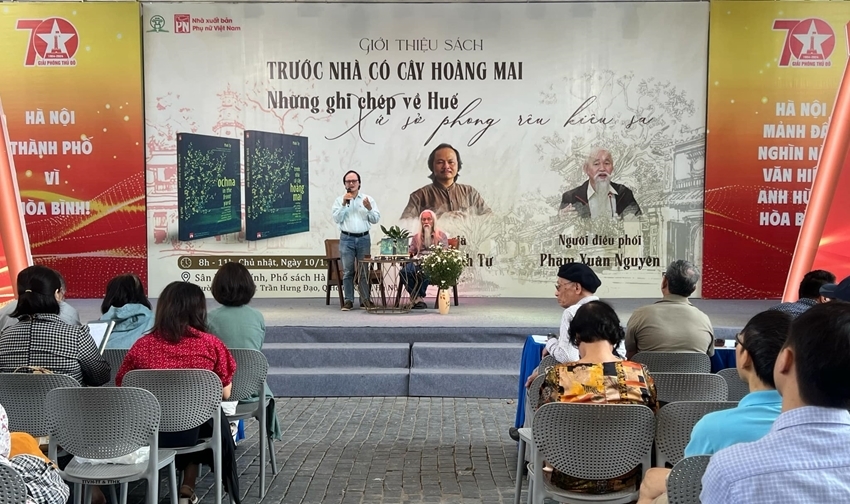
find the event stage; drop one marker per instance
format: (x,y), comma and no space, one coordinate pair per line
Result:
(475,351)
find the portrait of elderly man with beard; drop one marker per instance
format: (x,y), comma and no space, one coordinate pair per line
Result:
(598,197)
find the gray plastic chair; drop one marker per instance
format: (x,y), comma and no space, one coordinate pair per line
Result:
(674,423)
(532,402)
(23,394)
(685,481)
(673,387)
(12,487)
(114,356)
(591,441)
(674,362)
(107,422)
(188,398)
(250,380)
(738,388)
(545,362)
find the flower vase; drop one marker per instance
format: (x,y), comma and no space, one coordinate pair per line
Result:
(443,301)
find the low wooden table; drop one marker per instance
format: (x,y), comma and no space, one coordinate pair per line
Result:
(389,295)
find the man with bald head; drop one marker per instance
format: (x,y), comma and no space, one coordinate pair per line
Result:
(599,197)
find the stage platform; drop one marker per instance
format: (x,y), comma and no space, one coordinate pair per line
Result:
(317,350)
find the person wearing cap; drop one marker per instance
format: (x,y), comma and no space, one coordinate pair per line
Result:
(837,292)
(672,324)
(808,294)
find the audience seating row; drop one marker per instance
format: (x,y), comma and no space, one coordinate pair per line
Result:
(178,400)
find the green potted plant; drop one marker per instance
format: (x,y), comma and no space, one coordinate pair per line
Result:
(443,267)
(395,241)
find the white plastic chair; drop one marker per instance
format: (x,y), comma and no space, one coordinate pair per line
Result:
(674,362)
(108,422)
(674,423)
(672,387)
(737,387)
(685,481)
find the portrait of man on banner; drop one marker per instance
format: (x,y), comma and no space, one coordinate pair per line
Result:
(598,196)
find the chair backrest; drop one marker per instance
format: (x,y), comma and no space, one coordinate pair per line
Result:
(23,394)
(594,441)
(684,484)
(251,370)
(187,397)
(545,362)
(12,487)
(674,362)
(114,356)
(332,248)
(738,388)
(533,393)
(101,422)
(673,387)
(674,423)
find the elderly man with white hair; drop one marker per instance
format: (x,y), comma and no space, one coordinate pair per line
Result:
(598,197)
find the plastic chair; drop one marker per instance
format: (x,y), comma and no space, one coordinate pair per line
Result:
(738,388)
(23,395)
(532,402)
(673,425)
(249,381)
(107,422)
(685,481)
(12,487)
(188,398)
(545,362)
(114,356)
(334,274)
(672,387)
(590,441)
(674,362)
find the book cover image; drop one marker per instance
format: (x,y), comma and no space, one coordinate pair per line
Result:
(208,186)
(277,199)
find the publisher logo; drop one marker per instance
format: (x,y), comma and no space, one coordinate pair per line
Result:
(808,42)
(182,23)
(157,23)
(53,42)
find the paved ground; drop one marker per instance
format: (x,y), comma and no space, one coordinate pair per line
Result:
(382,450)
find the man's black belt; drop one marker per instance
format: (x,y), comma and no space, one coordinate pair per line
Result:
(355,235)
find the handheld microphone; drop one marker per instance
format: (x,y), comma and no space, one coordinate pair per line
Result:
(348,201)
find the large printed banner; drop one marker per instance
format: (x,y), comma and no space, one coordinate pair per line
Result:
(72,93)
(768,114)
(580,128)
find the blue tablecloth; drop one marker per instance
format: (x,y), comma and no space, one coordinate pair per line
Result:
(531,357)
(723,358)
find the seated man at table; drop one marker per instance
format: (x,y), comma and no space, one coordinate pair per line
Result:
(808,294)
(804,458)
(672,324)
(420,246)
(756,350)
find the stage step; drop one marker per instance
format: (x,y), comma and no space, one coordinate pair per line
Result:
(338,369)
(339,382)
(465,369)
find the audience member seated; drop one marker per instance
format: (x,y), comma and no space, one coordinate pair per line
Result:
(67,313)
(756,349)
(179,340)
(20,451)
(41,340)
(237,324)
(808,294)
(126,303)
(672,324)
(837,292)
(804,458)
(428,236)
(598,376)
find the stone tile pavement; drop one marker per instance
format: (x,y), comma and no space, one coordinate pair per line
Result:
(377,450)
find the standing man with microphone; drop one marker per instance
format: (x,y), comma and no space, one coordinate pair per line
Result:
(354,213)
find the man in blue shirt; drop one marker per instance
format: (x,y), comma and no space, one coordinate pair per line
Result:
(804,458)
(756,350)
(354,213)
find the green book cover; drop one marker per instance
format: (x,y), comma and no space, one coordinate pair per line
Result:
(208,186)
(277,198)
